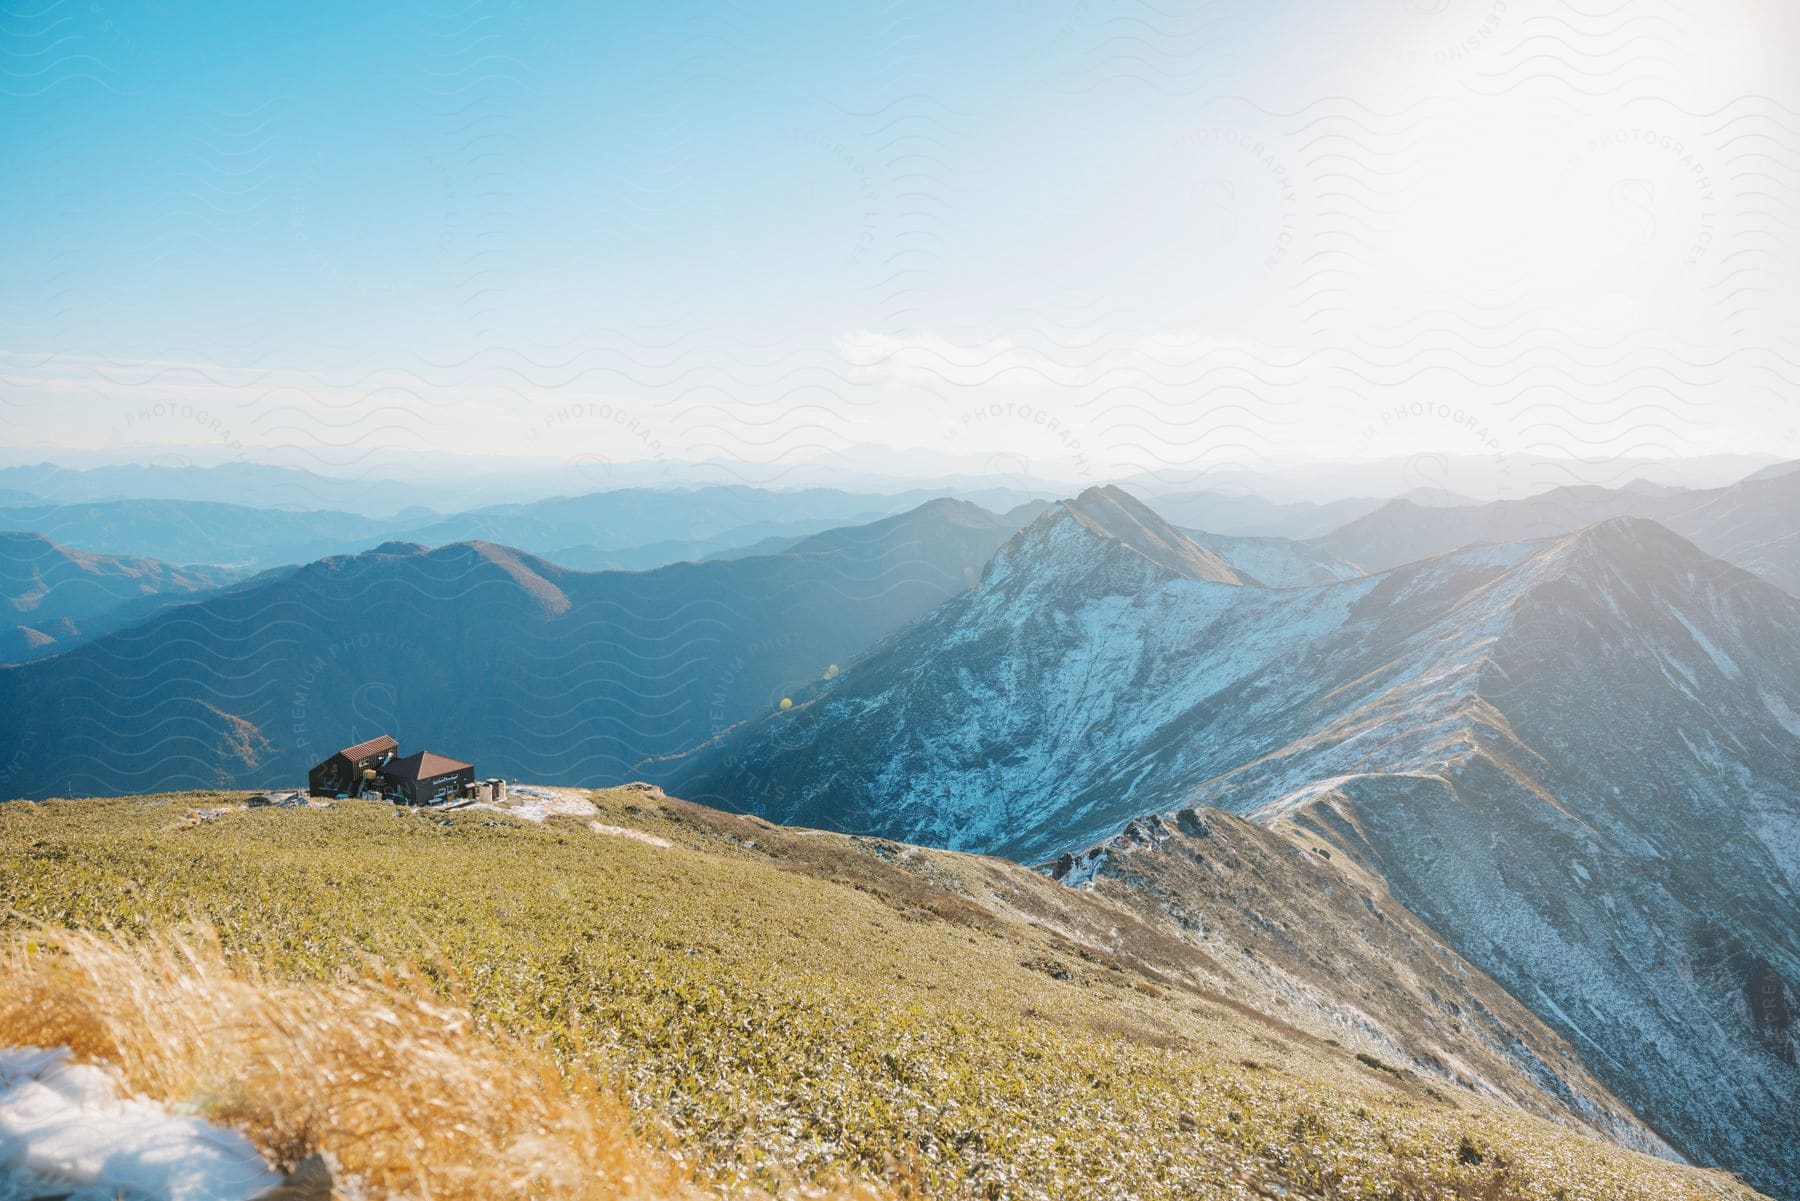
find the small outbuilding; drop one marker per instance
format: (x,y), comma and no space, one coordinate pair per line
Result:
(348,771)
(425,778)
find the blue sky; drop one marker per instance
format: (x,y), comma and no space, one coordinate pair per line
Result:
(338,165)
(1179,236)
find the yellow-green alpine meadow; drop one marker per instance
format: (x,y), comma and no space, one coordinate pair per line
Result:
(788,1010)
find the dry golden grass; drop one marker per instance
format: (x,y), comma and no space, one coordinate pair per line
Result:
(395,1089)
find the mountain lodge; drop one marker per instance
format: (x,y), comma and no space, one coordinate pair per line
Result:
(425,778)
(346,772)
(377,767)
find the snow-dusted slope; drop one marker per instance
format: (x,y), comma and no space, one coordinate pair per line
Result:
(1080,685)
(1620,842)
(1278,562)
(1578,760)
(1308,935)
(1007,718)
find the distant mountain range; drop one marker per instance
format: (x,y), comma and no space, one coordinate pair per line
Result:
(648,527)
(1750,523)
(476,650)
(1476,477)
(241,537)
(54,597)
(627,529)
(1250,516)
(1578,759)
(224,483)
(243,518)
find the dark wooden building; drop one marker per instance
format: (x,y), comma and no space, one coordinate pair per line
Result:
(423,778)
(345,773)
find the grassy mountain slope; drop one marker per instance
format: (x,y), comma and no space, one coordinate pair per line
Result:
(789,1002)
(369,1087)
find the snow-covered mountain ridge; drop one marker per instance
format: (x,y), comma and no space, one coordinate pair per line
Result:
(1577,760)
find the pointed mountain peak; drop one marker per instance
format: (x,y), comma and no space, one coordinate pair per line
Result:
(1106,494)
(943,511)
(1111,512)
(1111,540)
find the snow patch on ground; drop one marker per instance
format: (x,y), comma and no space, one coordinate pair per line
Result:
(1085,868)
(1782,712)
(1288,803)
(536,802)
(67,1132)
(1727,666)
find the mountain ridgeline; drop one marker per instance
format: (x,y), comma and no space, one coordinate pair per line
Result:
(1576,759)
(522,666)
(1750,523)
(621,529)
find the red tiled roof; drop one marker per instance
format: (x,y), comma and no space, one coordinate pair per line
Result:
(423,765)
(374,746)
